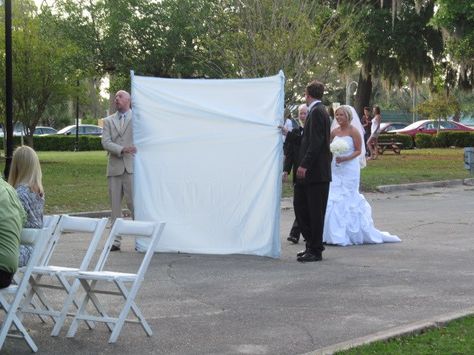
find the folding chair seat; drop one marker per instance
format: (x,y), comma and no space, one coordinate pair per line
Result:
(90,279)
(38,238)
(67,224)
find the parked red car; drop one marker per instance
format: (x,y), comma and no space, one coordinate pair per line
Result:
(389,127)
(431,127)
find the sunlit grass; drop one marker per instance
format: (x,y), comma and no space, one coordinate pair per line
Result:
(455,338)
(76,181)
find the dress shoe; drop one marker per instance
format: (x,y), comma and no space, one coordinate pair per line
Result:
(293,239)
(114,248)
(309,257)
(301,253)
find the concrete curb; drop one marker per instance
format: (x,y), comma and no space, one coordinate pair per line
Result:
(425,185)
(409,329)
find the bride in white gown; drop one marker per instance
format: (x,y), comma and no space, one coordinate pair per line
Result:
(348,217)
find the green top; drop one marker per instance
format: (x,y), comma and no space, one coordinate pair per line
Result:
(12,217)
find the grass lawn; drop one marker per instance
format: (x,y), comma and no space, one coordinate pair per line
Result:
(76,181)
(455,338)
(415,165)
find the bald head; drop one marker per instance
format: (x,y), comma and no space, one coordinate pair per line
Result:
(122,101)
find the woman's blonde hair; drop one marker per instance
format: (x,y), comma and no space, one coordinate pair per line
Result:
(347,110)
(26,169)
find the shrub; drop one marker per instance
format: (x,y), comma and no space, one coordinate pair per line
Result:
(441,140)
(423,140)
(405,139)
(61,143)
(438,141)
(456,139)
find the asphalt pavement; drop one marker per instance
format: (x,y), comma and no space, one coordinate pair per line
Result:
(241,304)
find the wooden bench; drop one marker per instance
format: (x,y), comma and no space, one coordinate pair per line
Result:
(395,146)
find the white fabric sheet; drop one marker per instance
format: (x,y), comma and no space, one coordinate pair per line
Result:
(209,163)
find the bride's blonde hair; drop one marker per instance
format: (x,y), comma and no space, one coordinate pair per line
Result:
(26,170)
(347,111)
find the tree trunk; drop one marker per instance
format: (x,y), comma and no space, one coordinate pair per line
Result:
(29,140)
(364,91)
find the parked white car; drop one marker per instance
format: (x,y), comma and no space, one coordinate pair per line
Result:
(84,129)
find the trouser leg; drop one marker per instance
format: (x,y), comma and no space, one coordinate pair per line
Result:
(301,210)
(317,198)
(295,230)
(115,196)
(128,192)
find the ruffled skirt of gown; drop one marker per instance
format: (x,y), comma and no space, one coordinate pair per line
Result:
(348,217)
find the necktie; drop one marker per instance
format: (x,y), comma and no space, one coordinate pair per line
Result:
(122,120)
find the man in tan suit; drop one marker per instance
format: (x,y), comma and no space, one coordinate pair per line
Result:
(117,140)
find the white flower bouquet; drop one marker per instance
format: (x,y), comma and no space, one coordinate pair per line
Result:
(339,147)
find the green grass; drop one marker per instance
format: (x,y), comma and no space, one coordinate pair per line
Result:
(76,181)
(455,338)
(415,165)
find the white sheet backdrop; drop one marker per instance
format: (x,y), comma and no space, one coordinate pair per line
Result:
(209,162)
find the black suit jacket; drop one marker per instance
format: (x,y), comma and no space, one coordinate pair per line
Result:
(314,153)
(292,149)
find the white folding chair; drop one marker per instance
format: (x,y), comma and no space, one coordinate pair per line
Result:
(67,224)
(50,222)
(90,279)
(17,291)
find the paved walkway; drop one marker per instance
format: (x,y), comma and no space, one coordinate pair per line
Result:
(237,304)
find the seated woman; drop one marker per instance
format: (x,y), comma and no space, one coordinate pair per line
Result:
(12,217)
(25,176)
(348,218)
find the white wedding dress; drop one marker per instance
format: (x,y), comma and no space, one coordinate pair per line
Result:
(348,218)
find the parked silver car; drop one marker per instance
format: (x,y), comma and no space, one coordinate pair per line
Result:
(44,131)
(84,129)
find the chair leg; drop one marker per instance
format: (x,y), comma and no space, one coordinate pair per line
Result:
(75,322)
(71,299)
(135,309)
(29,299)
(120,321)
(69,289)
(99,308)
(33,303)
(25,334)
(10,319)
(82,314)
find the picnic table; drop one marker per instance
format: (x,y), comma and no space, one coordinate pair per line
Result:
(396,147)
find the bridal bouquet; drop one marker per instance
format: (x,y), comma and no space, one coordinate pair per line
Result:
(338,147)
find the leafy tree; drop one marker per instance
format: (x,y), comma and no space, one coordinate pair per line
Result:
(297,36)
(393,42)
(456,19)
(439,107)
(41,66)
(170,38)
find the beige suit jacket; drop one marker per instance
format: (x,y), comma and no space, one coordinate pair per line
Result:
(114,139)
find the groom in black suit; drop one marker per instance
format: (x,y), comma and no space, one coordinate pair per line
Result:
(313,174)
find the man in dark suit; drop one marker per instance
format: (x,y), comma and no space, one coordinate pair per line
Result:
(292,150)
(313,174)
